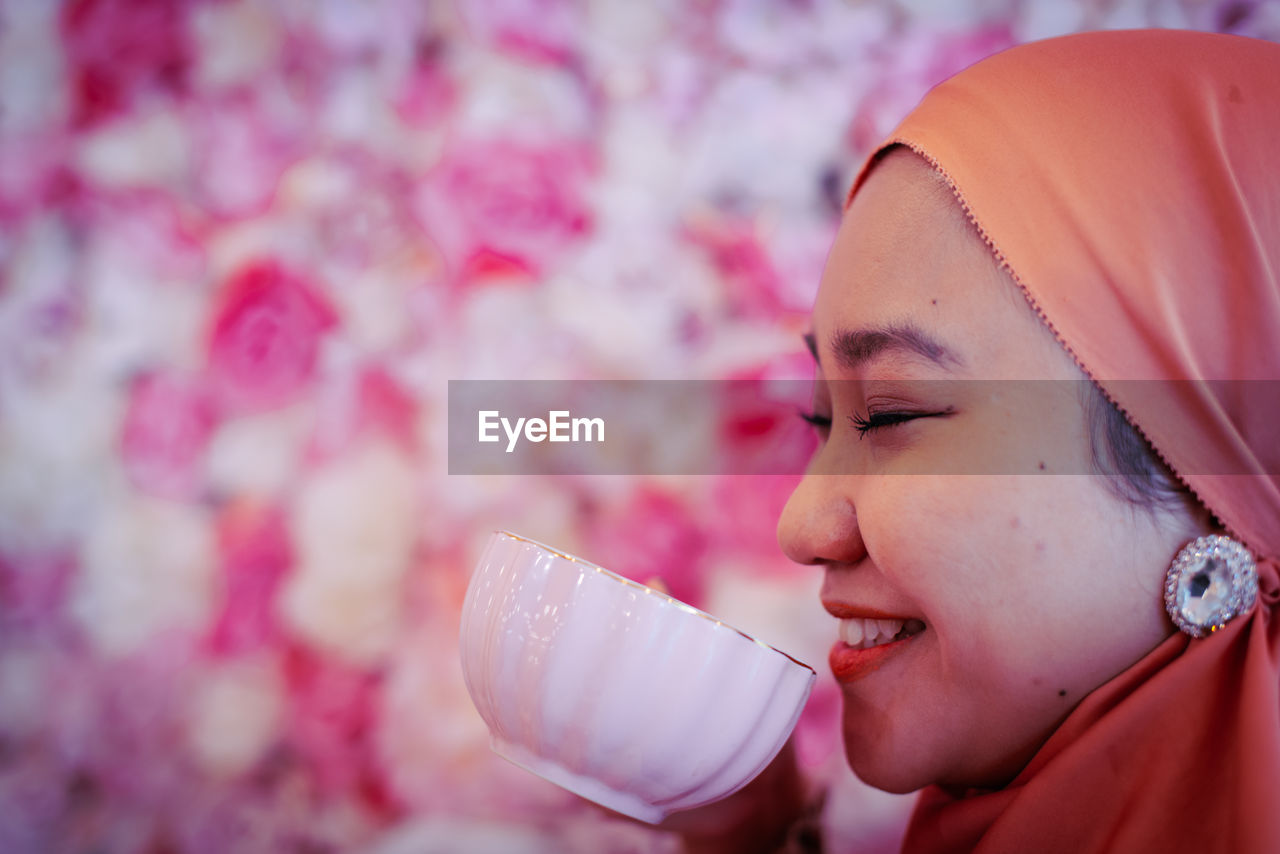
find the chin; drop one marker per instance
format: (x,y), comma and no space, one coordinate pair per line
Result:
(892,771)
(878,768)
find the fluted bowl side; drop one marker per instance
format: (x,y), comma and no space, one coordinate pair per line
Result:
(617,691)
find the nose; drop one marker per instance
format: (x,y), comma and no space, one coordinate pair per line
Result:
(819,524)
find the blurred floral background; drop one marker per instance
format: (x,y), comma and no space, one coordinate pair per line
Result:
(244,244)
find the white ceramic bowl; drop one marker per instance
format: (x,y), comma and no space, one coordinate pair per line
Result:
(616,691)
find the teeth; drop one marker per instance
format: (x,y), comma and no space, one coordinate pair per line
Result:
(864,634)
(851,631)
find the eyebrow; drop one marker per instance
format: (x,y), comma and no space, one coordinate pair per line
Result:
(855,347)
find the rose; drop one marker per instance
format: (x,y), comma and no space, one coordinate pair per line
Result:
(544,31)
(372,402)
(242,147)
(266,336)
(332,717)
(165,431)
(760,431)
(255,553)
(736,251)
(505,207)
(34,172)
(118,49)
(427,94)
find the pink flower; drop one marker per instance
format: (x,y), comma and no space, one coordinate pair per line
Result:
(120,49)
(540,31)
(762,435)
(751,281)
(427,94)
(256,553)
(385,405)
(166,429)
(351,408)
(151,227)
(506,207)
(334,715)
(818,731)
(654,536)
(241,152)
(266,336)
(761,431)
(921,62)
(33,589)
(34,172)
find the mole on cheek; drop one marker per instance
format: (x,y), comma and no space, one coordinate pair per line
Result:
(1062,693)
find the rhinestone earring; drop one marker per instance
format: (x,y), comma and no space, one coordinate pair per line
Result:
(1212,580)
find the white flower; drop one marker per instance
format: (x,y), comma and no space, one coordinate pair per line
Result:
(234,714)
(151,149)
(147,567)
(353,527)
(258,454)
(235,41)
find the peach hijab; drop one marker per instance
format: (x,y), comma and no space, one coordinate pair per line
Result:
(1129,182)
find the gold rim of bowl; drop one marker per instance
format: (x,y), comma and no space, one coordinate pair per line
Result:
(649,591)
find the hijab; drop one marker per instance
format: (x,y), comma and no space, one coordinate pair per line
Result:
(1129,183)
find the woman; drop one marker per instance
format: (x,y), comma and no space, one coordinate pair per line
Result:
(1101,208)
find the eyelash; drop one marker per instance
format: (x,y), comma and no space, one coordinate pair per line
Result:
(876,420)
(864,424)
(813,419)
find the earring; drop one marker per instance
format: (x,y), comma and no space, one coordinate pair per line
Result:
(1212,580)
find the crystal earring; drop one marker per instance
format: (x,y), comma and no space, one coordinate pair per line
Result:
(1212,580)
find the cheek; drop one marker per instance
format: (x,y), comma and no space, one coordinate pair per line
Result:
(939,537)
(982,558)
(1033,584)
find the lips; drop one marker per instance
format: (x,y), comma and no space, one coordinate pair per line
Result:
(868,638)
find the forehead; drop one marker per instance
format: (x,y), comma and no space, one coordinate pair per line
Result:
(906,255)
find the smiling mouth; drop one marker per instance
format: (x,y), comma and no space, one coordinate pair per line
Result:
(865,633)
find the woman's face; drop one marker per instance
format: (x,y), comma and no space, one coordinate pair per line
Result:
(1025,589)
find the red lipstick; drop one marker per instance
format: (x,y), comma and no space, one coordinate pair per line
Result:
(849,664)
(845,611)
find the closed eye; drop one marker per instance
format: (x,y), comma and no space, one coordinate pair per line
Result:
(864,424)
(822,423)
